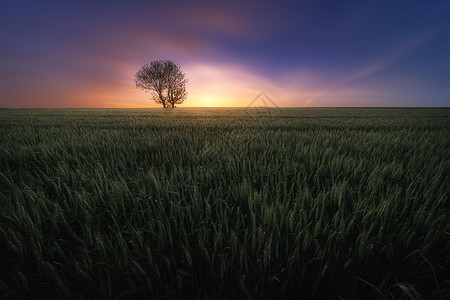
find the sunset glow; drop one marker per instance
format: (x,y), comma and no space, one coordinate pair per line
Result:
(301,54)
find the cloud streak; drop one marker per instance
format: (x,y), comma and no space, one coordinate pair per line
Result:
(386,60)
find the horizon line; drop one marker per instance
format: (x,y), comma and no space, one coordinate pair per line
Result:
(193,107)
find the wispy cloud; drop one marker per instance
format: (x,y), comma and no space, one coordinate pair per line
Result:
(380,63)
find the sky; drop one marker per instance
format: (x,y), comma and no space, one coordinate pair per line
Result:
(316,53)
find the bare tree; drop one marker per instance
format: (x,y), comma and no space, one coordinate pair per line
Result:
(165,80)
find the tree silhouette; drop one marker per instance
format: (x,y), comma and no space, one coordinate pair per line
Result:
(165,80)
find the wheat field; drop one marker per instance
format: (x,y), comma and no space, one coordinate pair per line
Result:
(197,203)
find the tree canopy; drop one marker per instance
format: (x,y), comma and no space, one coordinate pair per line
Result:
(164,80)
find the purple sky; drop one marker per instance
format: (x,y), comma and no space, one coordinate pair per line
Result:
(301,53)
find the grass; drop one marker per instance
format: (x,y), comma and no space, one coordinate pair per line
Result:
(235,203)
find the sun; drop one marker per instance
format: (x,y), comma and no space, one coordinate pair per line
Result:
(209,100)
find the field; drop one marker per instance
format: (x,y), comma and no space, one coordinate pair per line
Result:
(225,203)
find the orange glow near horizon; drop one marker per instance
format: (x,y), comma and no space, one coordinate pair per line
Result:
(210,85)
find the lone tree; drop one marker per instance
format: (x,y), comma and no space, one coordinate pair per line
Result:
(165,80)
